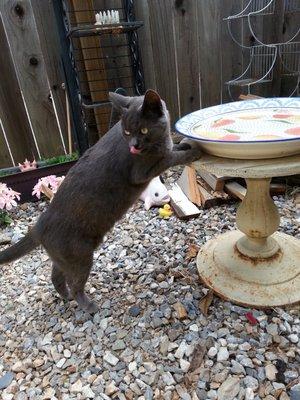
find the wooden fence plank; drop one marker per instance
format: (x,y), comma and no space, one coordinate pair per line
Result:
(146,45)
(187,51)
(19,24)
(5,158)
(12,111)
(289,83)
(210,52)
(162,33)
(49,41)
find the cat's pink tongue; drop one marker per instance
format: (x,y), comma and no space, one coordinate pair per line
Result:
(133,150)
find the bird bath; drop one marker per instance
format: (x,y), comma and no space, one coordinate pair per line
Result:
(254,265)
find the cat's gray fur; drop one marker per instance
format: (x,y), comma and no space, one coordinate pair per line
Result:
(100,188)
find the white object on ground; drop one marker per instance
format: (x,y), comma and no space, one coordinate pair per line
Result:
(156,194)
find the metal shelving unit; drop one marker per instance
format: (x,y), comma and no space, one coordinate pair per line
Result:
(98,59)
(265,57)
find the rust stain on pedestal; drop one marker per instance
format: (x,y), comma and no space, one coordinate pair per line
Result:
(257,260)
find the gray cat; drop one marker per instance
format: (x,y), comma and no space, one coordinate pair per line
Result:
(100,188)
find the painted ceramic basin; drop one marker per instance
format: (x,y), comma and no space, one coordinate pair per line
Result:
(253,129)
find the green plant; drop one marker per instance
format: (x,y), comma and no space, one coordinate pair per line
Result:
(5,173)
(8,200)
(61,159)
(5,218)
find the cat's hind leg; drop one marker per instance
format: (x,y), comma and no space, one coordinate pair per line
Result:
(77,283)
(59,282)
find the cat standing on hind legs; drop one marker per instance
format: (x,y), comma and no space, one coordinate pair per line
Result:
(105,182)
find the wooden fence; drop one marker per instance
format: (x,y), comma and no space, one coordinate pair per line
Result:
(32,100)
(187,55)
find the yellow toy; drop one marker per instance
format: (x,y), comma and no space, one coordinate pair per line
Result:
(165,212)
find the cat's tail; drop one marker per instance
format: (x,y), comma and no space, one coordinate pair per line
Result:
(25,245)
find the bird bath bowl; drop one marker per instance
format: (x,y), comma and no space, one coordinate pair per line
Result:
(254,129)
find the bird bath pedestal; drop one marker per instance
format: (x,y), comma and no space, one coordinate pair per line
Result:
(255,265)
(255,140)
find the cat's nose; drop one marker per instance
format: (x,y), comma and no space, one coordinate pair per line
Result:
(135,143)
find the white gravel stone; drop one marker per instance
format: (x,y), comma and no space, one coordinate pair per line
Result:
(76,387)
(67,353)
(168,379)
(184,365)
(60,363)
(223,354)
(132,366)
(271,372)
(249,394)
(194,328)
(180,352)
(212,352)
(110,358)
(272,329)
(293,338)
(87,392)
(111,389)
(229,389)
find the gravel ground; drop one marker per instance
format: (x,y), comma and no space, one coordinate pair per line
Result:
(149,339)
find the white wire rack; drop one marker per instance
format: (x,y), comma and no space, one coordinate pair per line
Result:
(264,56)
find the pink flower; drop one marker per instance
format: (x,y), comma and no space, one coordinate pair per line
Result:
(27,165)
(52,182)
(8,197)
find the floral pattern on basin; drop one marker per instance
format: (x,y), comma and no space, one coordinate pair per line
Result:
(251,126)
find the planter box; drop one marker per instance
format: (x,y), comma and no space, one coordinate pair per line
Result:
(23,182)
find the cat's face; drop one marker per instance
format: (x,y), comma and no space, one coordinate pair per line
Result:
(145,121)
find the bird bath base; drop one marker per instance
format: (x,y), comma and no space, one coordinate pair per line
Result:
(258,282)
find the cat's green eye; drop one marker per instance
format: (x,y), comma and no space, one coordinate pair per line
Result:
(126,132)
(144,131)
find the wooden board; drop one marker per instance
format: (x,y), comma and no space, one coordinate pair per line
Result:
(277,188)
(216,183)
(235,190)
(185,14)
(12,112)
(180,203)
(210,198)
(20,27)
(249,97)
(188,184)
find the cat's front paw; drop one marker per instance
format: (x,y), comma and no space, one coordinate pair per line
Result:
(190,150)
(190,144)
(181,146)
(194,154)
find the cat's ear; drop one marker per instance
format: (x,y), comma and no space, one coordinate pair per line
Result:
(119,102)
(152,105)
